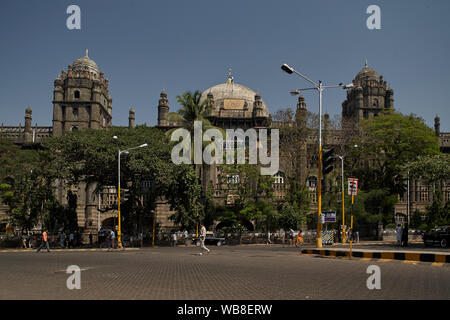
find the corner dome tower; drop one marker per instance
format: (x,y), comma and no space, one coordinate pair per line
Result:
(86,63)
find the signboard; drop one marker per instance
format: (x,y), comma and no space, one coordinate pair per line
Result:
(329,216)
(233,104)
(352,187)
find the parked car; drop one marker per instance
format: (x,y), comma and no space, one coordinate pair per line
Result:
(439,235)
(210,239)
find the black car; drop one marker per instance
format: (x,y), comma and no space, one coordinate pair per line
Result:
(439,235)
(210,239)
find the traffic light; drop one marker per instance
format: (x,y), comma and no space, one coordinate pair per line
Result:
(327,161)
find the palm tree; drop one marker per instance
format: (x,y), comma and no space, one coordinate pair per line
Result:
(193,109)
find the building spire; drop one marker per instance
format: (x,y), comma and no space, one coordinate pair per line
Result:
(230,78)
(87,51)
(366,64)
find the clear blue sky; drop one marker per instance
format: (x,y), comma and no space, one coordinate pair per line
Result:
(145,46)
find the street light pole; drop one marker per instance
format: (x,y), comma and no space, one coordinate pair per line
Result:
(119,231)
(343,196)
(320,88)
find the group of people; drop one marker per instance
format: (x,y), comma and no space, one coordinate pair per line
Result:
(64,241)
(175,238)
(402,234)
(290,235)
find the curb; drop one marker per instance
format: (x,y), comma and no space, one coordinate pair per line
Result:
(410,256)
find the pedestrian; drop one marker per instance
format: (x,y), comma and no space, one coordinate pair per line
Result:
(405,235)
(71,237)
(398,230)
(291,237)
(268,237)
(357,236)
(299,239)
(186,238)
(113,240)
(174,239)
(202,239)
(283,238)
(24,241)
(108,241)
(44,242)
(90,239)
(62,239)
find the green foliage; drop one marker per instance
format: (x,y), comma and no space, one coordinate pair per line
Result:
(385,145)
(432,169)
(290,217)
(183,196)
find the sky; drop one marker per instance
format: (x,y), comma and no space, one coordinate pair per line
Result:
(145,46)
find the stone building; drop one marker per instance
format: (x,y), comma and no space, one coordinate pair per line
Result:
(82,100)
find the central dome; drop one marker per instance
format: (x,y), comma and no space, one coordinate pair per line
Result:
(86,63)
(367,74)
(232,96)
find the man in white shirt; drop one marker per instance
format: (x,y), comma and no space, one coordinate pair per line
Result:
(202,239)
(186,238)
(174,239)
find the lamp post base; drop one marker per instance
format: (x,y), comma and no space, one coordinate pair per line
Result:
(319,242)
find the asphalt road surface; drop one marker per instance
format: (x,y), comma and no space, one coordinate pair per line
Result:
(228,272)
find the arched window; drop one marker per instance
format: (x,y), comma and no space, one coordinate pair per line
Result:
(74,129)
(311,182)
(279,178)
(76,94)
(75,113)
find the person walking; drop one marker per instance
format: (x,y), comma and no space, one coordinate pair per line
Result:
(398,230)
(202,239)
(268,237)
(357,236)
(44,241)
(186,238)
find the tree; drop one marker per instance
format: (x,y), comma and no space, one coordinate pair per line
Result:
(433,170)
(184,194)
(90,156)
(385,144)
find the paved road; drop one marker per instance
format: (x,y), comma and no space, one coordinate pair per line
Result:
(250,272)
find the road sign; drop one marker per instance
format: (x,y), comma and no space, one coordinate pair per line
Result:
(352,186)
(329,216)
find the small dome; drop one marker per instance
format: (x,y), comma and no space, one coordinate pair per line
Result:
(367,74)
(230,92)
(86,63)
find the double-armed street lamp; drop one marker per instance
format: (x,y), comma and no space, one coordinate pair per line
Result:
(119,231)
(320,88)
